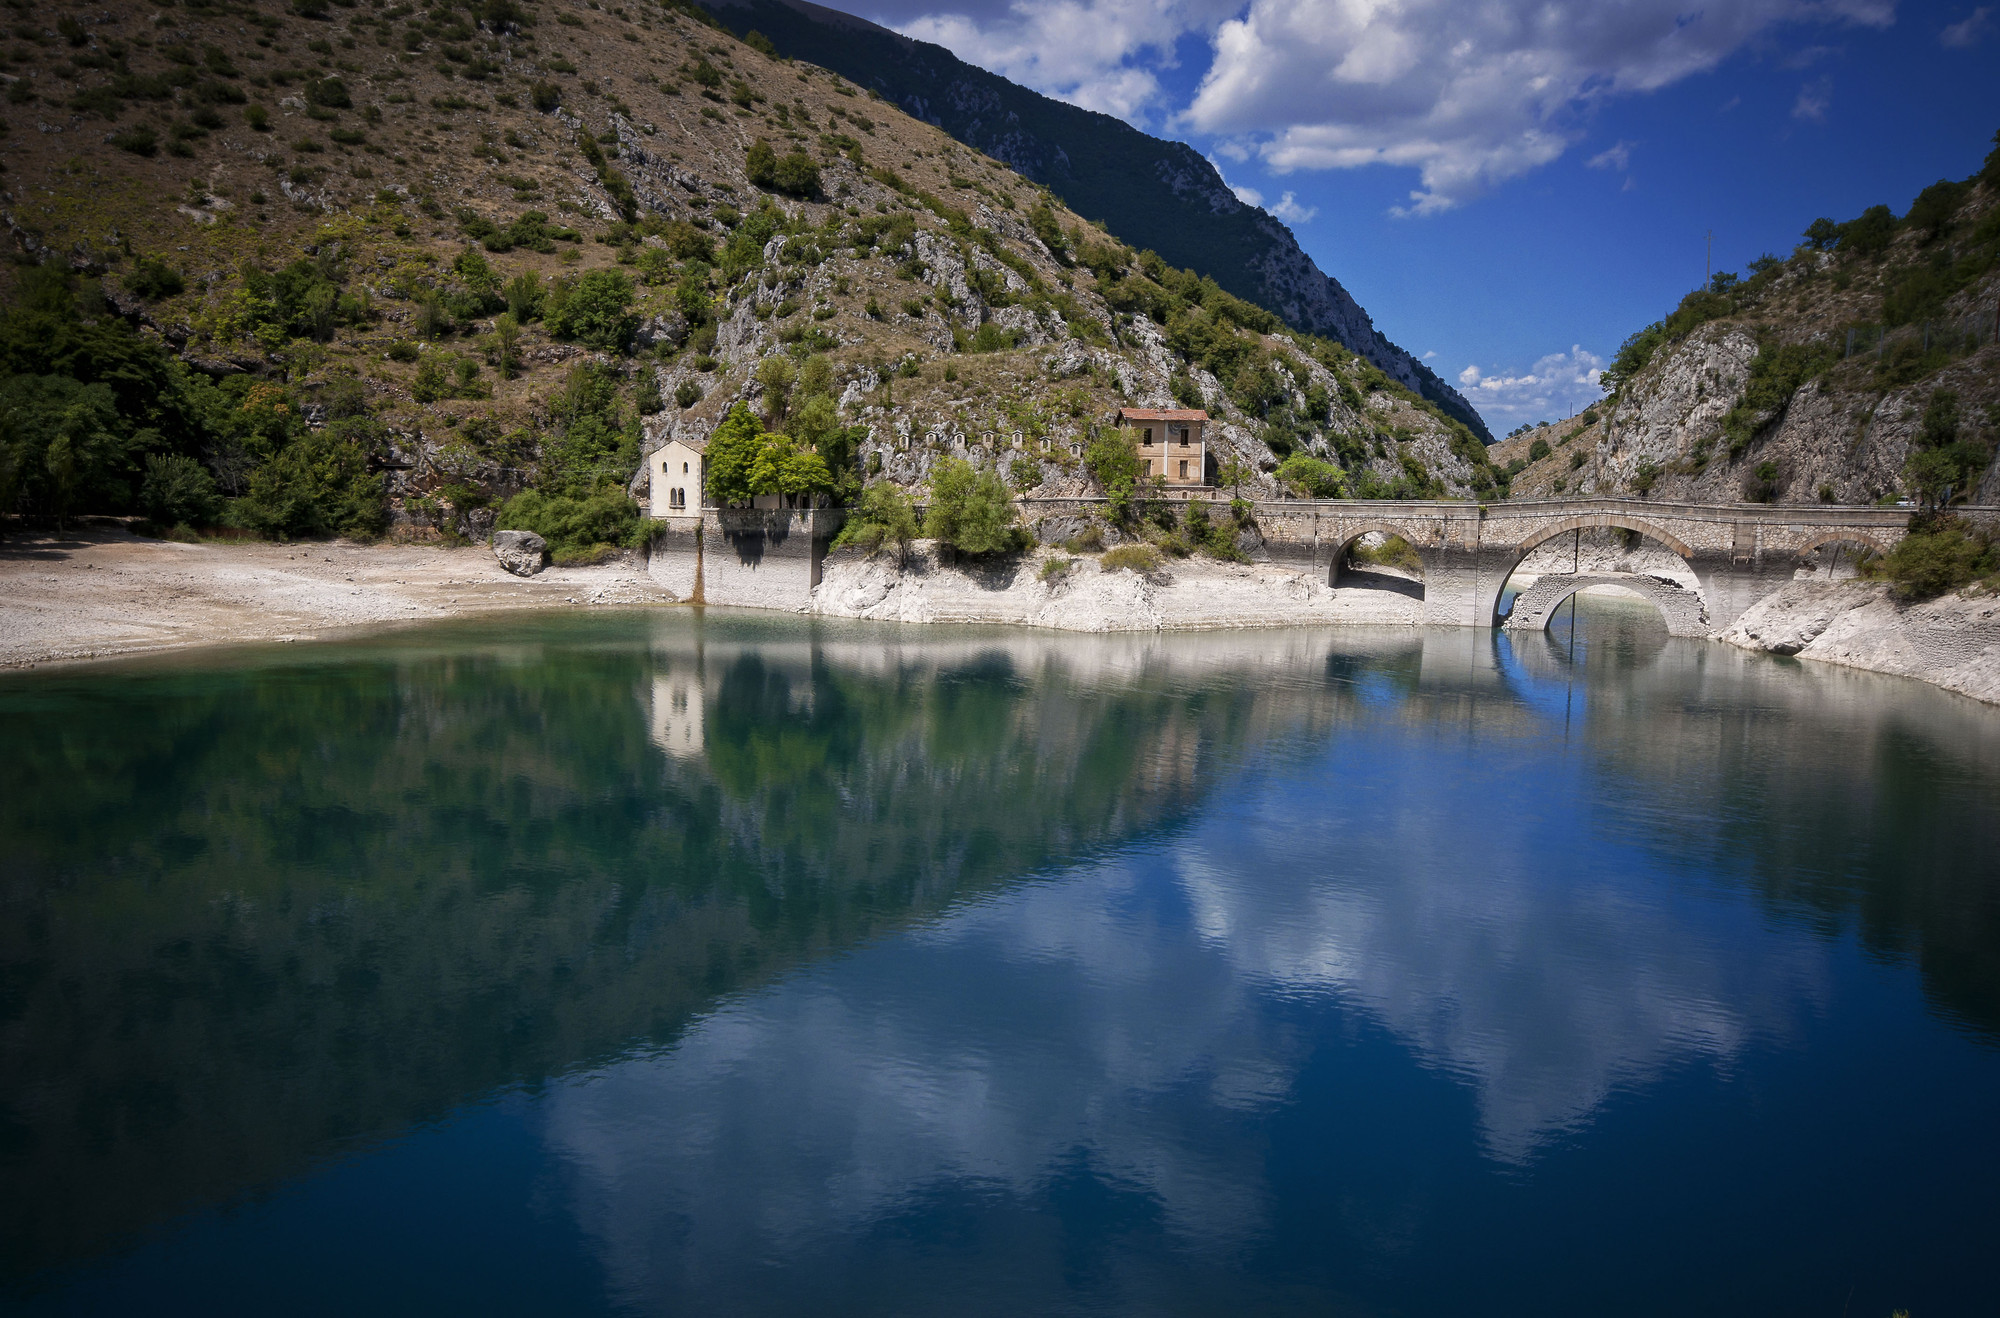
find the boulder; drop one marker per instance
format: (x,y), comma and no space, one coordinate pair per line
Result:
(521,552)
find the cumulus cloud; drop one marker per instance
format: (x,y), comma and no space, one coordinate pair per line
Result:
(1967,32)
(1814,98)
(1466,94)
(1557,385)
(1099,54)
(1290,211)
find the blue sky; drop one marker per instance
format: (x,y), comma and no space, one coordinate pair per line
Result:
(1510,187)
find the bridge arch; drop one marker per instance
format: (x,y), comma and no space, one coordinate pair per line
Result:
(1535,608)
(1595,521)
(1351,533)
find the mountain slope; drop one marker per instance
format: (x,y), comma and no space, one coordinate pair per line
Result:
(1862,368)
(1153,194)
(303,269)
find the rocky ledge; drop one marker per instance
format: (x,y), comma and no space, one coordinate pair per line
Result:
(1952,642)
(1074,593)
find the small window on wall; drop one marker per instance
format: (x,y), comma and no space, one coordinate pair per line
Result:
(684,469)
(1184,471)
(1148,465)
(1149,434)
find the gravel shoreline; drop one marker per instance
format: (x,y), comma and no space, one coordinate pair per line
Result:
(96,594)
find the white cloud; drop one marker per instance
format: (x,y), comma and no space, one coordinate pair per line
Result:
(1969,31)
(1814,98)
(1467,94)
(1617,156)
(1556,386)
(1099,54)
(1289,210)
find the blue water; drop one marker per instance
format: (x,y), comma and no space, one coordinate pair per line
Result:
(664,964)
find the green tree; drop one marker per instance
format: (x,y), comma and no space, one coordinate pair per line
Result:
(884,514)
(1113,460)
(732,452)
(971,510)
(777,376)
(784,466)
(65,444)
(760,163)
(317,485)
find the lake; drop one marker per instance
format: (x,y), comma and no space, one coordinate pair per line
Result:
(658,963)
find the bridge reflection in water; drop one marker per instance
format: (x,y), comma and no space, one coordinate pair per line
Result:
(305,902)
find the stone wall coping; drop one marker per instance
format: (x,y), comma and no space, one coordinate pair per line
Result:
(1893,516)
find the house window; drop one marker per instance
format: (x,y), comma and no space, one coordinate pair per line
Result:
(1149,434)
(677,497)
(1148,465)
(1183,471)
(684,469)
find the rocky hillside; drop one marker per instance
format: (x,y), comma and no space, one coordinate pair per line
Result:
(1157,195)
(453,254)
(1864,367)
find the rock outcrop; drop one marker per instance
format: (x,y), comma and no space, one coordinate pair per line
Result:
(1952,642)
(521,552)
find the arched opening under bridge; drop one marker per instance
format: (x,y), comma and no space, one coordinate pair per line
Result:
(1602,555)
(1837,556)
(1377,558)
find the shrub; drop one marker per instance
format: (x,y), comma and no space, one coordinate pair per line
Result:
(760,43)
(545,95)
(1647,476)
(317,485)
(1055,570)
(523,294)
(1131,558)
(597,313)
(257,117)
(1776,373)
(178,491)
(1942,555)
(577,528)
(152,278)
(330,93)
(1538,450)
(796,174)
(686,394)
(884,514)
(971,510)
(141,141)
(1311,477)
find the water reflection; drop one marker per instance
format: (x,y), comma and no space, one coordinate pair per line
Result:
(824,939)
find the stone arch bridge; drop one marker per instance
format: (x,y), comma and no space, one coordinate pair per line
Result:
(1739,553)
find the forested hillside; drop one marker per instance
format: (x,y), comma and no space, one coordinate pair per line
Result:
(353,269)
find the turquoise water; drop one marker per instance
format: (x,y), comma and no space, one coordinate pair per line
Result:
(652,963)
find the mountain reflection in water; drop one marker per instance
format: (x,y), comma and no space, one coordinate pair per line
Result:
(871,968)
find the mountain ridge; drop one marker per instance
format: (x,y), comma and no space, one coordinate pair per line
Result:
(1102,168)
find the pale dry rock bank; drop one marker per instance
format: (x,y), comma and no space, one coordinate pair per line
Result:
(1952,642)
(1182,595)
(95,594)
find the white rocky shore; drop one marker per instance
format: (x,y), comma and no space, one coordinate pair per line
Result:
(1182,595)
(1953,642)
